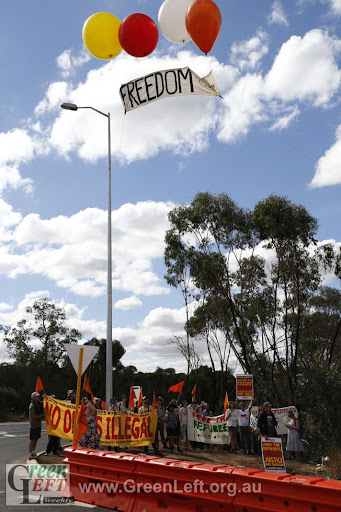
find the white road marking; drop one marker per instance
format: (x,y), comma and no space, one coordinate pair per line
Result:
(12,435)
(80,504)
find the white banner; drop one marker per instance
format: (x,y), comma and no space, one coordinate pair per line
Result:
(281,416)
(165,84)
(204,429)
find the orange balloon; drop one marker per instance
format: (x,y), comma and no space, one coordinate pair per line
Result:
(203,23)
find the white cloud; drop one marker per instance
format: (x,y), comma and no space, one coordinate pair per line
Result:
(68,63)
(277,14)
(16,146)
(246,55)
(72,251)
(283,122)
(54,96)
(132,302)
(335,6)
(5,307)
(328,168)
(305,69)
(182,128)
(147,345)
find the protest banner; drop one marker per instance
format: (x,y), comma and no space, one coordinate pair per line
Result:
(204,429)
(272,453)
(244,386)
(166,84)
(281,415)
(122,428)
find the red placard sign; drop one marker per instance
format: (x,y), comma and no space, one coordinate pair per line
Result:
(272,453)
(244,385)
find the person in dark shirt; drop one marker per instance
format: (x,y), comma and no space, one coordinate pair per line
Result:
(267,422)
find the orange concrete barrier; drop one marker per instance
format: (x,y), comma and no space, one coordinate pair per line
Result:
(100,478)
(177,485)
(282,491)
(136,483)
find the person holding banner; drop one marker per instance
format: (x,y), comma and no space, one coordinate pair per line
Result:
(244,427)
(124,404)
(267,422)
(183,417)
(172,426)
(294,443)
(145,408)
(90,438)
(232,416)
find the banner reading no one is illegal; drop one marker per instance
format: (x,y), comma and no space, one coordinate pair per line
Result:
(163,84)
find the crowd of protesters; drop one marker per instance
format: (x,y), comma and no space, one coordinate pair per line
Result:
(172,425)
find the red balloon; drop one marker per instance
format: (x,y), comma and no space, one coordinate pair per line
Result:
(203,22)
(138,35)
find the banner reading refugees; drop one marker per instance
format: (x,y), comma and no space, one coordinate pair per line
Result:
(122,428)
(204,429)
(244,384)
(281,415)
(166,84)
(272,453)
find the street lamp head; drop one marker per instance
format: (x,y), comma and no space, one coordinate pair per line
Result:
(69,106)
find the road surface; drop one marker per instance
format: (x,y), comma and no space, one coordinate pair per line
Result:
(14,439)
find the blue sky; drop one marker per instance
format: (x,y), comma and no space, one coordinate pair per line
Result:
(277,130)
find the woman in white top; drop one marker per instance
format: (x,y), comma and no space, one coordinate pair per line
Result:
(232,424)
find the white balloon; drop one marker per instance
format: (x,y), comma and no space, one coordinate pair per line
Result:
(172,20)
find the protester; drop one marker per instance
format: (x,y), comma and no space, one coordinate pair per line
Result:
(160,408)
(124,404)
(98,403)
(172,426)
(90,438)
(207,412)
(36,414)
(71,396)
(267,422)
(232,424)
(114,405)
(183,418)
(144,409)
(53,444)
(193,406)
(244,427)
(294,443)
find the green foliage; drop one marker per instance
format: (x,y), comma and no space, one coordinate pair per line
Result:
(257,278)
(39,340)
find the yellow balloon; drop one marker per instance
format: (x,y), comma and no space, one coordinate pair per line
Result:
(100,35)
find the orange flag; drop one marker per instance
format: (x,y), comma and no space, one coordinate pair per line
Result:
(177,388)
(194,390)
(226,402)
(131,398)
(81,424)
(154,400)
(104,406)
(39,385)
(139,403)
(86,387)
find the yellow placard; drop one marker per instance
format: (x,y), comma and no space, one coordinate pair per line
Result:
(123,428)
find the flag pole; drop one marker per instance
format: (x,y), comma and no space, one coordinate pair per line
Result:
(78,393)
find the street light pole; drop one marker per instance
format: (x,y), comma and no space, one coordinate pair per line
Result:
(108,359)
